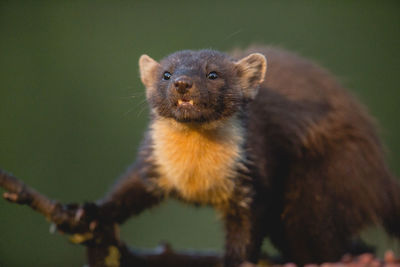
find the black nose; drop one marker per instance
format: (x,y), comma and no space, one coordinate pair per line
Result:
(182,84)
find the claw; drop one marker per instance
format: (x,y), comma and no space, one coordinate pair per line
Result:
(79,214)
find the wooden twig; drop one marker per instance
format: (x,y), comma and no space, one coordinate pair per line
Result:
(104,248)
(61,215)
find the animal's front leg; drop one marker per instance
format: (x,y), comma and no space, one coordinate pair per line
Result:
(243,237)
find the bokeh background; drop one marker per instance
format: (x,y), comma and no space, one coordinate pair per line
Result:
(72,109)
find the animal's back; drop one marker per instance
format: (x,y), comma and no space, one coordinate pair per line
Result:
(306,101)
(319,160)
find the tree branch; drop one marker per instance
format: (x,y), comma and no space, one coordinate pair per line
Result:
(105,249)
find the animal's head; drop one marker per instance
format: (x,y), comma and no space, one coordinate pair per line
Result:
(200,86)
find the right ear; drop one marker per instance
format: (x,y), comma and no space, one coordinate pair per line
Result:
(147,67)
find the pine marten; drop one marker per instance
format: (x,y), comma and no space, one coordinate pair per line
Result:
(286,153)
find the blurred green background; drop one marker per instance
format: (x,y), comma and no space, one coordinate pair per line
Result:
(72,108)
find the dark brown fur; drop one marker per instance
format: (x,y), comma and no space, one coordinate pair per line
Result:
(311,172)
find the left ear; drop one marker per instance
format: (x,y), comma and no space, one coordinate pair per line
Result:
(251,73)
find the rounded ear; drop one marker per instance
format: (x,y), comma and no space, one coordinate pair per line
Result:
(147,67)
(251,73)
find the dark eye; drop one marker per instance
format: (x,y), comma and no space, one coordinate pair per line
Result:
(167,75)
(212,75)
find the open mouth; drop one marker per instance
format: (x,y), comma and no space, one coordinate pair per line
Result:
(185,103)
(187,110)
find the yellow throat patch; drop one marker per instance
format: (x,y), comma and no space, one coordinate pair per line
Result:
(199,161)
